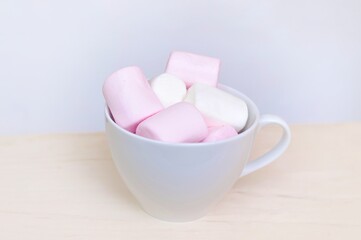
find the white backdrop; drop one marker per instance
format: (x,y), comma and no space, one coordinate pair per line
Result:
(300,59)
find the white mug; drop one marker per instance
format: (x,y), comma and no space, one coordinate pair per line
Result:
(183,181)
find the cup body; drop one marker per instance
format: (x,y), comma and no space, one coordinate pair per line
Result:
(181,182)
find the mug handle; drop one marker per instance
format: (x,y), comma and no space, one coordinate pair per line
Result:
(274,153)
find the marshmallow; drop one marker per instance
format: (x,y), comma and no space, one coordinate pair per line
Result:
(130,97)
(220,133)
(217,106)
(192,68)
(179,123)
(169,89)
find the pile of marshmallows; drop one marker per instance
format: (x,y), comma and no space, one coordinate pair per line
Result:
(182,105)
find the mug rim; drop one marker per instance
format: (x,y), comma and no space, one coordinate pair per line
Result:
(240,135)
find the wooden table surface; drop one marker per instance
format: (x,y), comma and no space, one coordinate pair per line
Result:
(65,186)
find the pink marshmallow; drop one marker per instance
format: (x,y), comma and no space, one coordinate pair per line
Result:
(220,133)
(179,123)
(130,97)
(192,68)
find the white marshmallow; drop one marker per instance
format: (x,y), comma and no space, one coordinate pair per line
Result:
(169,89)
(218,106)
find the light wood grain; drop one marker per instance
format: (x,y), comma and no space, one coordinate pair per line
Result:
(66,187)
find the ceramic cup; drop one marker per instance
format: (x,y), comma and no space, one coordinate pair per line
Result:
(183,181)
